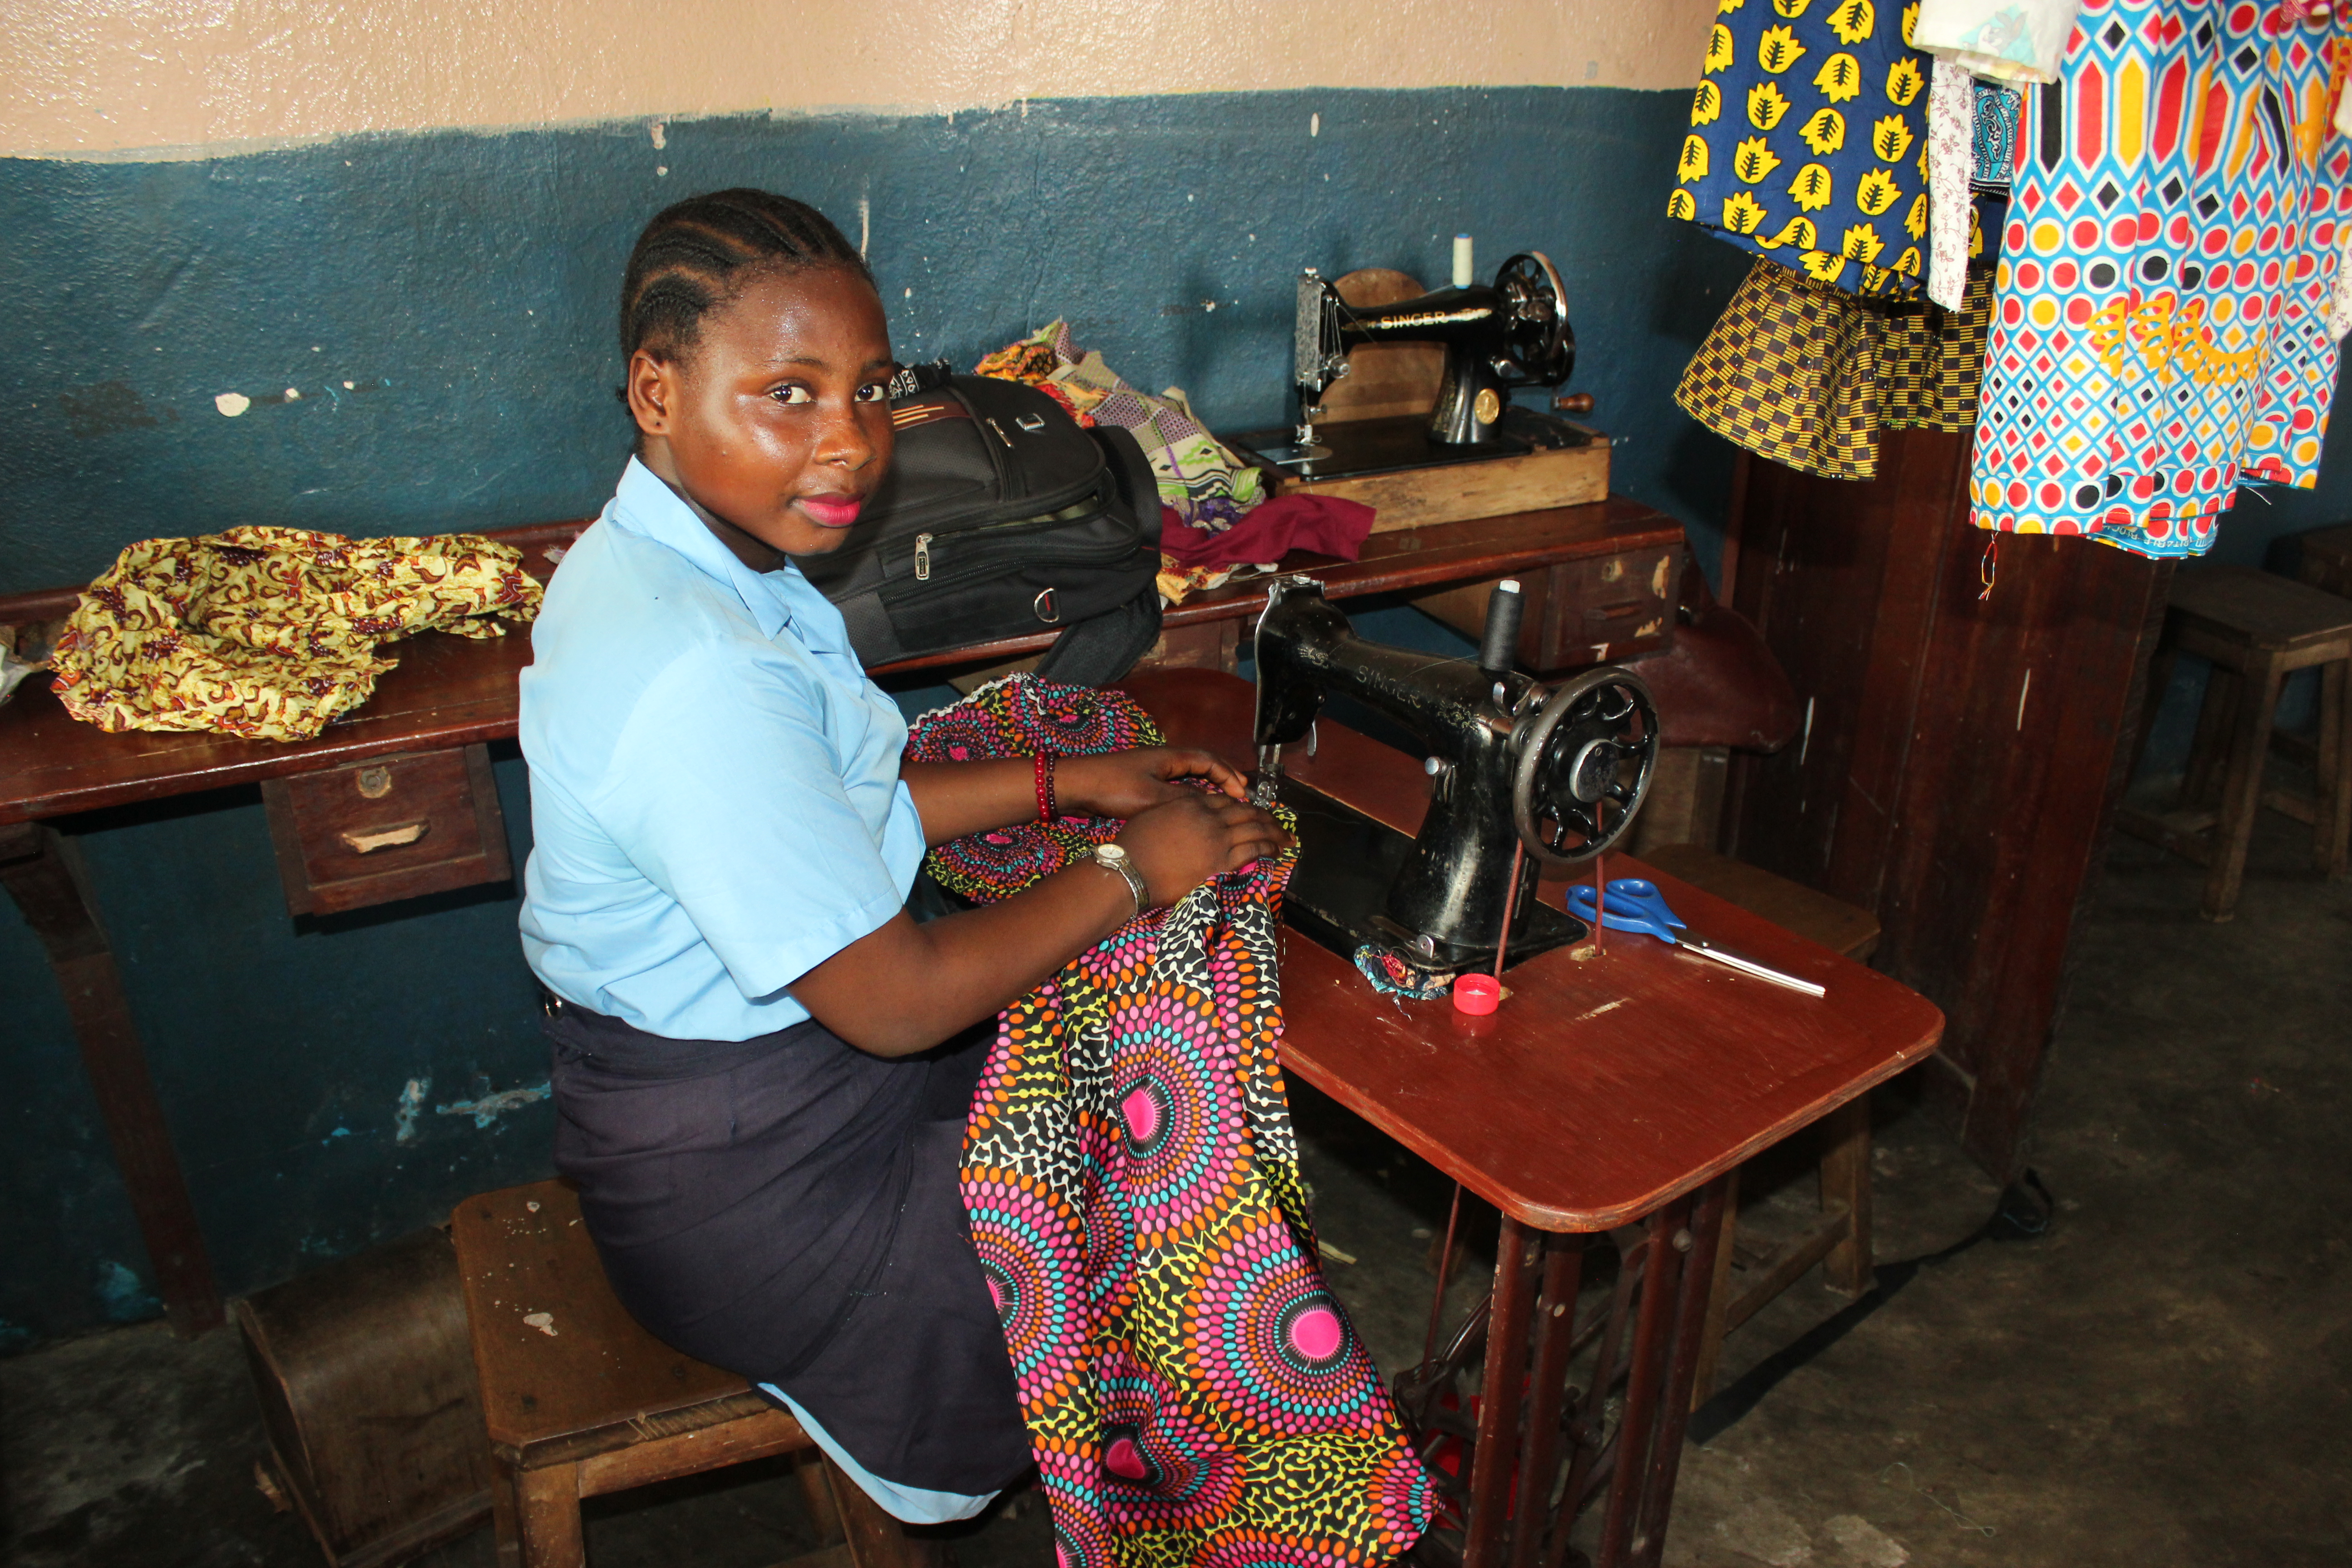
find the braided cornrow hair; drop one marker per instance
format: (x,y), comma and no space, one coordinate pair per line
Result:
(695,255)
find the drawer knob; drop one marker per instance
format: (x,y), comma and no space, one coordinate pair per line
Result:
(400,837)
(375,782)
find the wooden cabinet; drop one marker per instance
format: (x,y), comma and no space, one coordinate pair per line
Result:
(1962,750)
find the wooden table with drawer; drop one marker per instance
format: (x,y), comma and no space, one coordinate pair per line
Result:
(396,800)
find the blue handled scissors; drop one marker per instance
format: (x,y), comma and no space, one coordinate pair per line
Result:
(1634,904)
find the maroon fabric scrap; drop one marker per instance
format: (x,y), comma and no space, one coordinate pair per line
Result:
(1271,530)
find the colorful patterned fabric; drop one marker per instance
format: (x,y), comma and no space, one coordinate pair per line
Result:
(2016,40)
(1207,485)
(1807,374)
(1391,975)
(1932,362)
(1791,373)
(271,633)
(1952,179)
(1995,135)
(2164,285)
(1194,1392)
(1808,141)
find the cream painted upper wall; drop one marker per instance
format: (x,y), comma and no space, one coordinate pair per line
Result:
(100,78)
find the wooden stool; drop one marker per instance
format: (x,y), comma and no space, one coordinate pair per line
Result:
(2257,629)
(580,1401)
(1840,1239)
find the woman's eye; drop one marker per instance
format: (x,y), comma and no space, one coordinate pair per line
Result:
(792,394)
(877,393)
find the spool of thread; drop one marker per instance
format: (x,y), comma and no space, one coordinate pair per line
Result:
(1500,647)
(1464,267)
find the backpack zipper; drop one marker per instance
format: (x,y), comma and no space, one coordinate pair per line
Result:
(990,560)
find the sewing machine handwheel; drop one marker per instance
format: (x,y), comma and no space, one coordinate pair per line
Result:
(1540,347)
(1585,761)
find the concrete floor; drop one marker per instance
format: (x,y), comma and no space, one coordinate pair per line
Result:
(2164,1377)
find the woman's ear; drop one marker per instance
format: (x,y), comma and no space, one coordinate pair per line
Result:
(652,390)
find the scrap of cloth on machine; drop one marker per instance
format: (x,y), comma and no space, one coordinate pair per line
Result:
(1328,524)
(1193,1392)
(2161,330)
(1807,142)
(1808,374)
(271,633)
(1208,486)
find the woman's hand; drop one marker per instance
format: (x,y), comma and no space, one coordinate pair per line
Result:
(1128,784)
(1182,842)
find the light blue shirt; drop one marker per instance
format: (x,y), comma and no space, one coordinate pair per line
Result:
(715,800)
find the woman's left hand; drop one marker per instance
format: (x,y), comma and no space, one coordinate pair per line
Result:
(1123,784)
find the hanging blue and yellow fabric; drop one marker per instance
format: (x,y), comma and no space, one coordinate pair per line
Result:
(1808,140)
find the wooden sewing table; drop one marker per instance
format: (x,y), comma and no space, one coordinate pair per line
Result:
(1609,1096)
(1598,577)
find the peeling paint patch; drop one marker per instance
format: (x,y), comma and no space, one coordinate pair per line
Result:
(412,1100)
(232,403)
(491,1106)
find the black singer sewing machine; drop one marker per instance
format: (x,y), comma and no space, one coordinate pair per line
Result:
(1522,776)
(1514,332)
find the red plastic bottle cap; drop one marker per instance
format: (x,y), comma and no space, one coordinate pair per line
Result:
(1477,994)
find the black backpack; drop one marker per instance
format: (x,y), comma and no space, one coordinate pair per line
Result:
(1000,515)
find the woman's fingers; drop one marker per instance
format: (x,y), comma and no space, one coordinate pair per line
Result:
(1190,762)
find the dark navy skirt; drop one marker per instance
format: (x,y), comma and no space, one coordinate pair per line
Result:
(786,1208)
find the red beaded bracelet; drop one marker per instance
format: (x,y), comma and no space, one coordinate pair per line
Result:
(1046,809)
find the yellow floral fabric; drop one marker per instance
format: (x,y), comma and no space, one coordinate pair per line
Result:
(271,633)
(1809,141)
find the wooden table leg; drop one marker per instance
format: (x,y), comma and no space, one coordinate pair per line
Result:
(43,874)
(1704,1226)
(1501,1399)
(1718,1298)
(2332,832)
(547,1517)
(1656,1318)
(2250,745)
(1645,1374)
(1845,1180)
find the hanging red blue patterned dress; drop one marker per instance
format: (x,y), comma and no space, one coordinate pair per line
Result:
(2159,323)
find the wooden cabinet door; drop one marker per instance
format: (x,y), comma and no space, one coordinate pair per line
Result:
(1962,750)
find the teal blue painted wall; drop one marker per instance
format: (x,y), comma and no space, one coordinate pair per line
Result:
(465,284)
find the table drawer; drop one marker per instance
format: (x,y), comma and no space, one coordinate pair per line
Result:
(389,828)
(1599,610)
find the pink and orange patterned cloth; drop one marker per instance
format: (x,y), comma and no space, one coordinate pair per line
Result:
(1193,1392)
(271,633)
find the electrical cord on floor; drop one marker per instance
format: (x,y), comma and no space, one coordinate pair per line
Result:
(2022,1214)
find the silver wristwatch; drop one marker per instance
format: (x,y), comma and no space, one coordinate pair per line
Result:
(1111,857)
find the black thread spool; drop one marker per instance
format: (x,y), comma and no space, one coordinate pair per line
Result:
(1499,649)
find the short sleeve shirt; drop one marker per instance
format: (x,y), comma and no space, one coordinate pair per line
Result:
(715,806)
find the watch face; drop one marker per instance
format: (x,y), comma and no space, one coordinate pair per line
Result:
(1109,852)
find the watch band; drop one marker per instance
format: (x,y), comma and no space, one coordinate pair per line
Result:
(1119,862)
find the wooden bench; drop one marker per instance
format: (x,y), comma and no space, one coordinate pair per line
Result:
(580,1401)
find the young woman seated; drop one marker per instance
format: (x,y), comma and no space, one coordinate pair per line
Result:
(762,1061)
